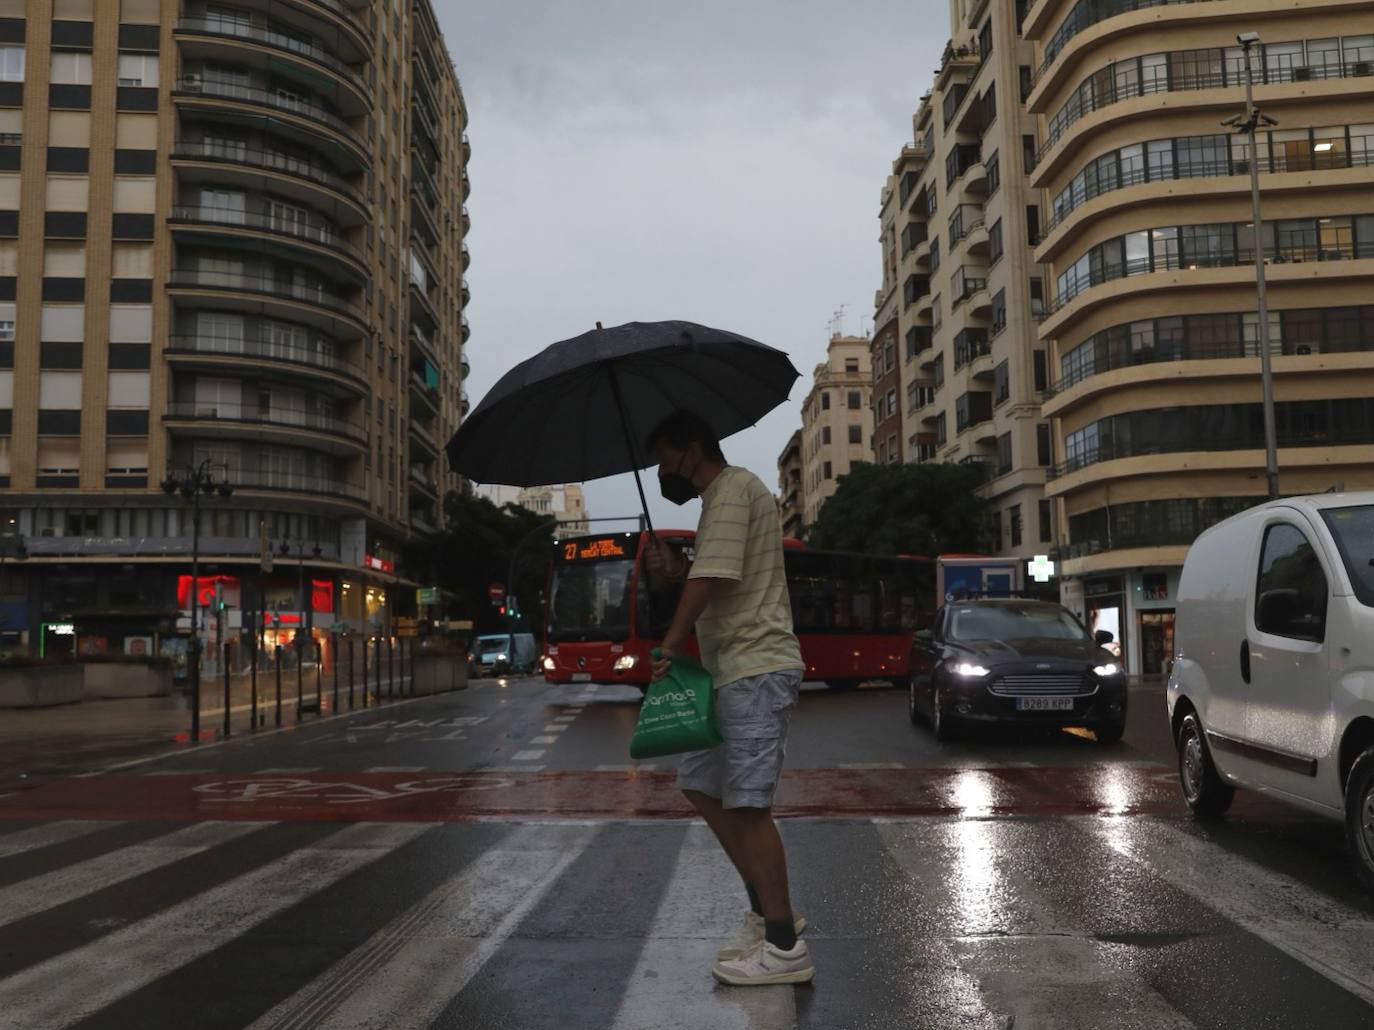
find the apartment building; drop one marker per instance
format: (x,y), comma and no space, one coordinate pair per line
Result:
(242,234)
(790,487)
(837,423)
(959,221)
(1152,325)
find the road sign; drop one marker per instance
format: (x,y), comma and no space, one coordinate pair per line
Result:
(427,595)
(496,592)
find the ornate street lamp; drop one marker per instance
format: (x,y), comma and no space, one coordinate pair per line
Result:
(192,482)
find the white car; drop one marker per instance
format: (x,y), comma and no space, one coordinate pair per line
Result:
(1272,685)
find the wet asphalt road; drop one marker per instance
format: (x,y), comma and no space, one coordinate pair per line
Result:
(483,859)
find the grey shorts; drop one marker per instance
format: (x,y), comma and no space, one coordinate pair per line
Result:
(752,715)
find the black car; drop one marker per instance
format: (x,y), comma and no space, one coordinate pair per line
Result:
(1007,660)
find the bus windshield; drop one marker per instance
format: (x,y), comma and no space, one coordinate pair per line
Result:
(590,601)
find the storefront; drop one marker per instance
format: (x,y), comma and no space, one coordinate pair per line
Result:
(1137,608)
(1104,601)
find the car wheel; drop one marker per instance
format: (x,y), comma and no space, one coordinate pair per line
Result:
(1109,732)
(1207,794)
(1359,817)
(940,724)
(912,705)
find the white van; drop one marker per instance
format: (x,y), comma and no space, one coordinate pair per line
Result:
(1272,687)
(502,653)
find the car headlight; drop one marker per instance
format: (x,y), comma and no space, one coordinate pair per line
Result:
(549,664)
(500,658)
(626,662)
(1110,669)
(969,669)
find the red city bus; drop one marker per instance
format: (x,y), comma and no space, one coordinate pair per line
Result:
(853,613)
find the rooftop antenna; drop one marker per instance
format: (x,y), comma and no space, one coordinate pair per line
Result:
(840,315)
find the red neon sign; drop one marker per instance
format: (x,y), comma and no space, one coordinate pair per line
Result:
(379,564)
(205,589)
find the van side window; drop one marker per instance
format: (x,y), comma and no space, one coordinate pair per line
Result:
(1291,598)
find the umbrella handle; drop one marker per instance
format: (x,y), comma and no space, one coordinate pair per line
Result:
(630,442)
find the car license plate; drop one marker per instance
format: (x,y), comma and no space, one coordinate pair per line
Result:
(582,677)
(1044,704)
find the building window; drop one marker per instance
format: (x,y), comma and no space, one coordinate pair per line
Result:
(827,471)
(1043,451)
(1004,454)
(993,165)
(999,311)
(1024,75)
(825,435)
(1001,382)
(138,70)
(855,400)
(939,371)
(11,64)
(1046,523)
(940,430)
(1041,371)
(856,434)
(1032,224)
(825,401)
(851,364)
(1037,297)
(995,242)
(1014,517)
(71,67)
(985,39)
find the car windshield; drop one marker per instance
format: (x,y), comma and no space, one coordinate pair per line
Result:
(1353,530)
(1013,622)
(591,601)
(493,642)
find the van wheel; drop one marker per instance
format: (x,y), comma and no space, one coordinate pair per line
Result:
(1207,794)
(913,707)
(1359,817)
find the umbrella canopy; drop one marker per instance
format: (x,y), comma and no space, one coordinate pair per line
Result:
(582,408)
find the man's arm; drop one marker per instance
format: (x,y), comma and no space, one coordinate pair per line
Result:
(696,595)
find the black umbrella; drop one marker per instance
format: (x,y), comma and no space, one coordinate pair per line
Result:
(581,408)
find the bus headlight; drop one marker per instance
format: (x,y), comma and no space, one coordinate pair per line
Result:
(549,664)
(970,670)
(626,662)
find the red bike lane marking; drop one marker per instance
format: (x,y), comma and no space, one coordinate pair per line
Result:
(452,797)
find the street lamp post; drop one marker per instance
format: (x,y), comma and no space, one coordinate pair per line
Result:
(191,482)
(1249,124)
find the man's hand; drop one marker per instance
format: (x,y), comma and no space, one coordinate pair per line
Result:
(664,661)
(663,561)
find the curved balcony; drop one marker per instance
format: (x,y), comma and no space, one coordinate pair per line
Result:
(310,304)
(339,24)
(920,254)
(313,242)
(976,239)
(253,104)
(975,179)
(465,295)
(464,330)
(465,367)
(422,483)
(252,481)
(222,39)
(467,220)
(464,404)
(321,432)
(294,362)
(980,301)
(467,148)
(424,436)
(287,176)
(466,257)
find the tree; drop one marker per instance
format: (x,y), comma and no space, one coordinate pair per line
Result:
(925,509)
(474,550)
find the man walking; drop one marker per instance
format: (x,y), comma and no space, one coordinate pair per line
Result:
(735,597)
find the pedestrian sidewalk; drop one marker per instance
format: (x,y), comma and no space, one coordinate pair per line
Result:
(95,734)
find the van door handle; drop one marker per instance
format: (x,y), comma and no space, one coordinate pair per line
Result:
(1245,660)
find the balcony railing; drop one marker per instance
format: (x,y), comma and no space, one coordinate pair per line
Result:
(1086,14)
(276,40)
(268,160)
(212,411)
(268,350)
(307,229)
(197,86)
(311,293)
(298,482)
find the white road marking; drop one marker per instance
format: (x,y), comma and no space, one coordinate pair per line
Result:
(406,974)
(555,727)
(548,739)
(529,755)
(703,904)
(75,881)
(77,983)
(1333,939)
(48,833)
(396,768)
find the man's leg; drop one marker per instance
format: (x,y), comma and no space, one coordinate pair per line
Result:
(726,830)
(766,861)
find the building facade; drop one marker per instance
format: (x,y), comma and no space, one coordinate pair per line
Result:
(887,394)
(1152,326)
(250,217)
(837,424)
(790,487)
(959,222)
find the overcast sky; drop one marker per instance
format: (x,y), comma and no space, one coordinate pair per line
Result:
(718,162)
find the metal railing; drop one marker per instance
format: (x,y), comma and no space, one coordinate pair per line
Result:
(212,411)
(269,479)
(268,160)
(1085,99)
(268,350)
(1360,156)
(198,86)
(311,293)
(275,40)
(310,230)
(1086,14)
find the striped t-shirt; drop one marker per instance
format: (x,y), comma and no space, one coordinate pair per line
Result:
(746,630)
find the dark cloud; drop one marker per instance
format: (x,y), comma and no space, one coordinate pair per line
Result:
(713,161)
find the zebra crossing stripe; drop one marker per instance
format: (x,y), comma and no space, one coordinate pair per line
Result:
(42,836)
(39,893)
(77,983)
(407,973)
(704,904)
(1332,939)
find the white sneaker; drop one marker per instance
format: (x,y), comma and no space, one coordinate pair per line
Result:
(750,933)
(765,964)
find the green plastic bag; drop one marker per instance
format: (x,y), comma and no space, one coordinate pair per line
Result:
(677,714)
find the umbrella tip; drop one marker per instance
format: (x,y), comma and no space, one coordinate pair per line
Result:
(598,325)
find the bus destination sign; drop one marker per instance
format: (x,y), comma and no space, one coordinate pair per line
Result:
(594,550)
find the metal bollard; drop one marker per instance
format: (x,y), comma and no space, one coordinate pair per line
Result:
(391,666)
(336,678)
(278,656)
(319,679)
(299,645)
(253,675)
(350,674)
(227,698)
